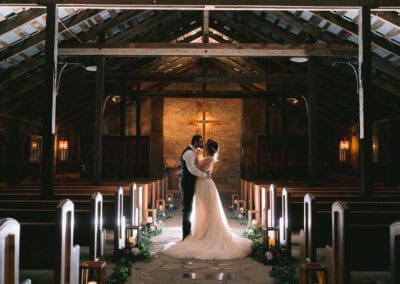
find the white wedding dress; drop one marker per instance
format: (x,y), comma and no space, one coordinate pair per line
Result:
(211,237)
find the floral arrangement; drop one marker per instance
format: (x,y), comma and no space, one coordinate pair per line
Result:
(166,213)
(284,269)
(233,214)
(128,255)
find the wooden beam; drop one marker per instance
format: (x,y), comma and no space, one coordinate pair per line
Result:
(98,119)
(352,28)
(204,78)
(206,26)
(21,19)
(209,50)
(203,94)
(40,37)
(214,5)
(389,17)
(50,90)
(364,93)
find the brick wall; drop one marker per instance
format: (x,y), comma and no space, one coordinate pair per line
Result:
(178,130)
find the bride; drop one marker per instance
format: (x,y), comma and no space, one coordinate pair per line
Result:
(211,237)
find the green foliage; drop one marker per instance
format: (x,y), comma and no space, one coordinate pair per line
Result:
(127,256)
(233,214)
(284,270)
(255,234)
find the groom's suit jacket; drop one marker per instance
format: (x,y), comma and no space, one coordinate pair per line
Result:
(189,171)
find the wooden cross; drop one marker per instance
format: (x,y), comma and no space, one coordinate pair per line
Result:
(204,120)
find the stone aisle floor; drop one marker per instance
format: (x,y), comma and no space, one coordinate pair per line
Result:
(166,269)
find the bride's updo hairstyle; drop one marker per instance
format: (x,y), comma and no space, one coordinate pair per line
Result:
(212,148)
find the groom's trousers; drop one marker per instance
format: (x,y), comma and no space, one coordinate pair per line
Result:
(187,195)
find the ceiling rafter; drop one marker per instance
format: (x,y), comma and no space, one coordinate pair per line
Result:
(352,28)
(215,5)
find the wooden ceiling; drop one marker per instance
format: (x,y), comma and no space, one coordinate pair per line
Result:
(176,50)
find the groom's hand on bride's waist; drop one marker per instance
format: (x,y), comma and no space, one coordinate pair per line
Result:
(208,175)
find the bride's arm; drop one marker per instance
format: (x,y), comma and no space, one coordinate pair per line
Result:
(204,164)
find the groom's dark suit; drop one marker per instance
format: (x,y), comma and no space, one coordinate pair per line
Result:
(189,173)
(186,184)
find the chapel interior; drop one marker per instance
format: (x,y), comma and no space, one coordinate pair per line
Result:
(111,92)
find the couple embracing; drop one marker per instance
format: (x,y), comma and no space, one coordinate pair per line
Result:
(206,233)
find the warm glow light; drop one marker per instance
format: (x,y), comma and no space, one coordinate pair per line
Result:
(344,144)
(63,145)
(271,242)
(34,145)
(298,59)
(292,101)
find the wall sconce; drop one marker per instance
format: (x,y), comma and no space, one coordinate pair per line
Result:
(36,148)
(63,149)
(344,146)
(375,149)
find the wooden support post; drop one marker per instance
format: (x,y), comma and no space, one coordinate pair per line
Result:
(364,61)
(49,114)
(138,133)
(98,119)
(122,135)
(312,123)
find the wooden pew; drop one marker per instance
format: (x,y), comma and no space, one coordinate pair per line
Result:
(97,233)
(360,242)
(395,252)
(317,221)
(67,257)
(286,232)
(9,251)
(119,230)
(308,250)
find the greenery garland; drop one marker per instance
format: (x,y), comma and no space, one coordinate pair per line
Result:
(284,269)
(128,255)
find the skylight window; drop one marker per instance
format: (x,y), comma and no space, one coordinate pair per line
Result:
(306,15)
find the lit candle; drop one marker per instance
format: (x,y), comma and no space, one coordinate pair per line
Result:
(149,219)
(92,282)
(235,201)
(132,240)
(169,199)
(241,210)
(271,242)
(254,222)
(161,208)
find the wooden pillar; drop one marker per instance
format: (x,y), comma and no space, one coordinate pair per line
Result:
(312,123)
(364,61)
(138,171)
(98,119)
(122,133)
(49,115)
(285,141)
(394,154)
(206,20)
(267,155)
(156,138)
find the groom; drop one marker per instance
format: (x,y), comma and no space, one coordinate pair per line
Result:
(189,172)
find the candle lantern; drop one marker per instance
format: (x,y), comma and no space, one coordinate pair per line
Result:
(241,207)
(133,236)
(170,198)
(150,216)
(160,205)
(252,218)
(235,199)
(93,272)
(344,146)
(271,237)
